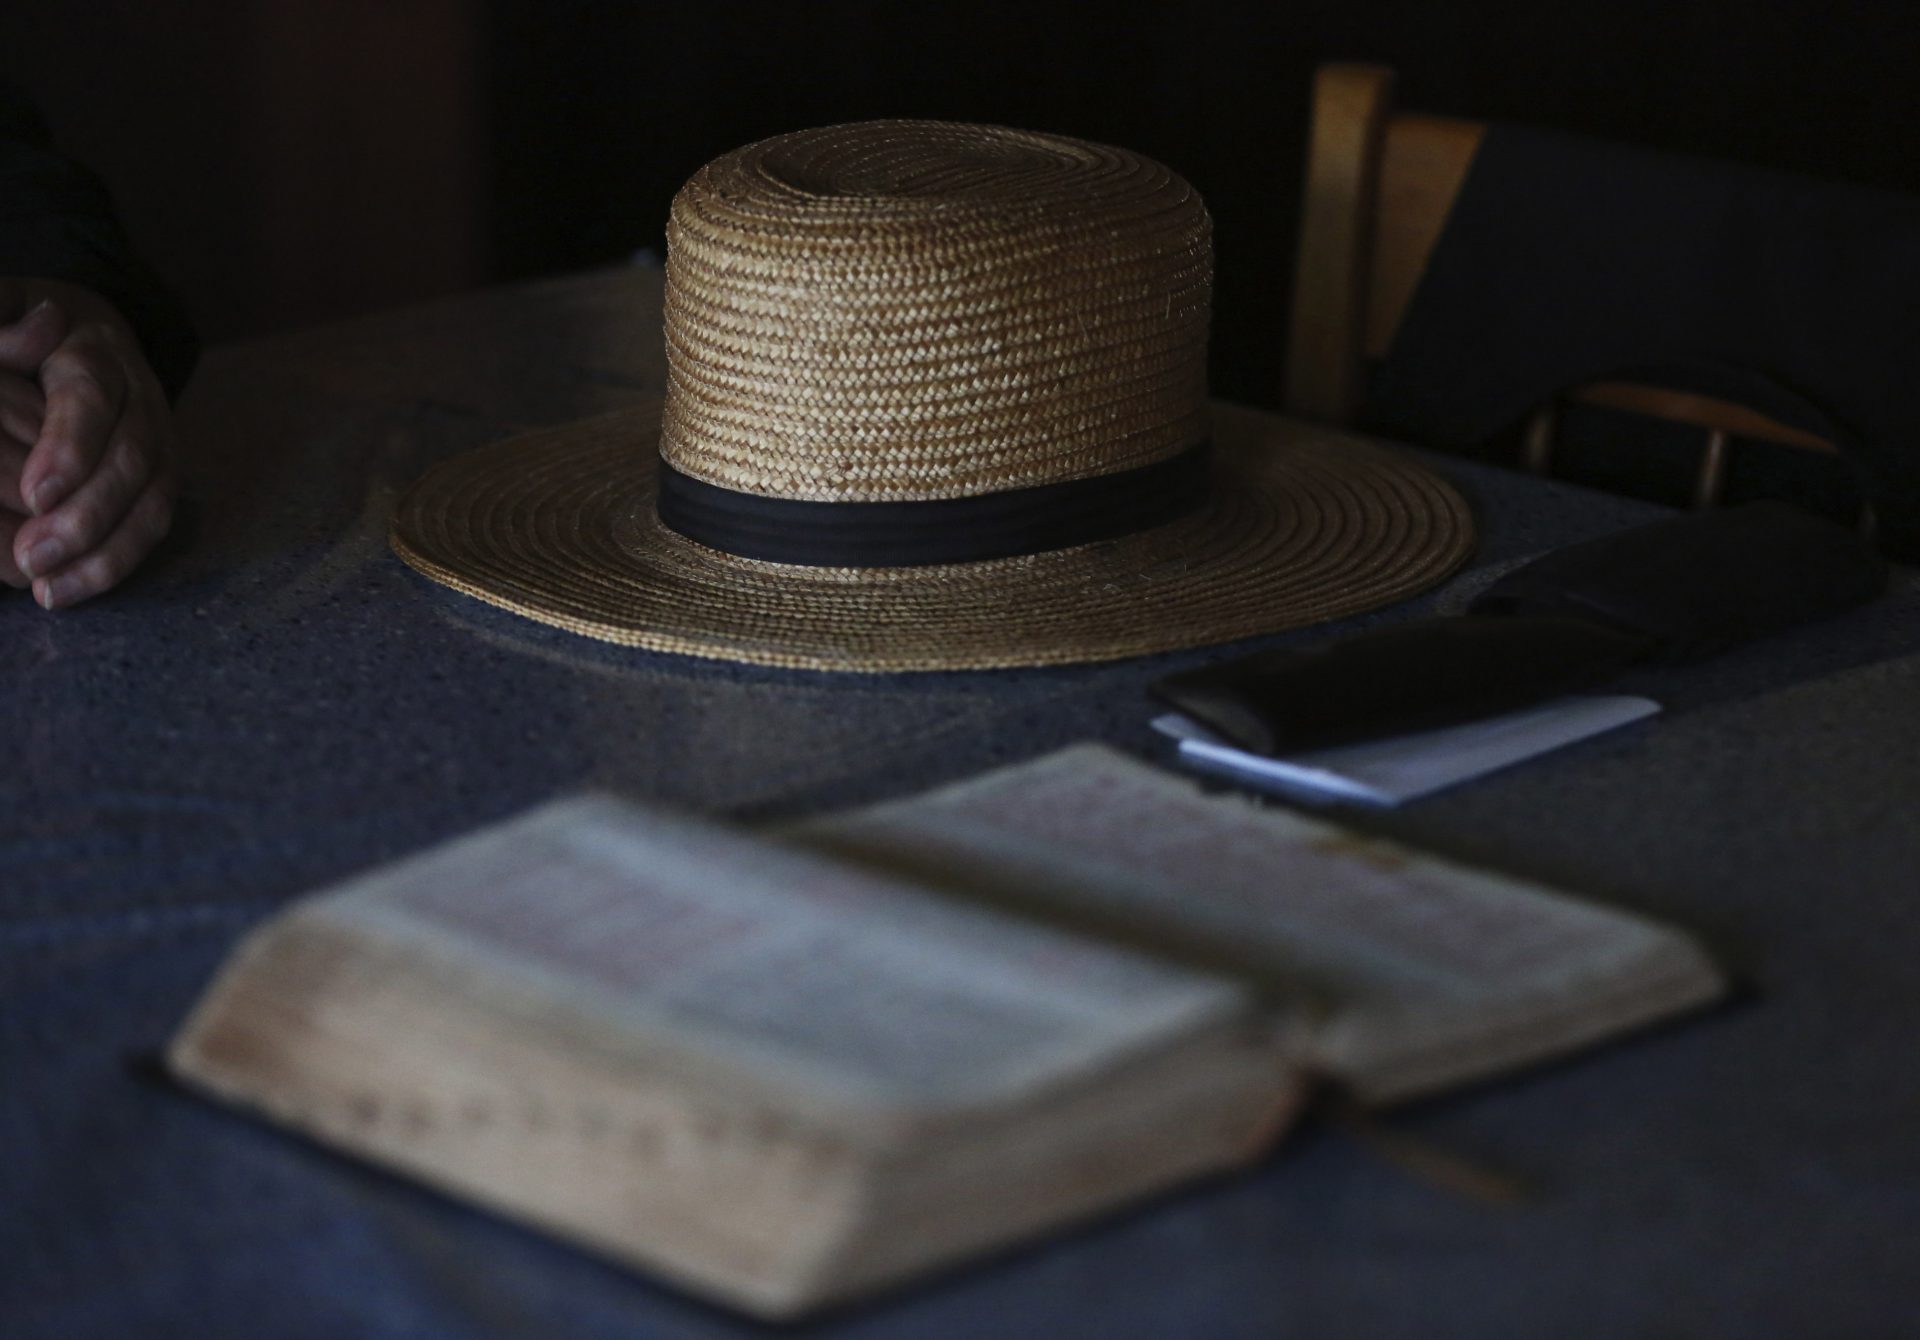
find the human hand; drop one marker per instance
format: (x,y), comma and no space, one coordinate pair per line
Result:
(21,410)
(95,489)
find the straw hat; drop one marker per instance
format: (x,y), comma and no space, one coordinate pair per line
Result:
(936,399)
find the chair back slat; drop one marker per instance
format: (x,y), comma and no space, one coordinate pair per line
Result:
(1323,373)
(1379,187)
(1423,163)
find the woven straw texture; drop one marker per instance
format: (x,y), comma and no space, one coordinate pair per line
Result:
(906,310)
(1307,525)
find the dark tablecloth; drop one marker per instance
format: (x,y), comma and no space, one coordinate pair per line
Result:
(279,702)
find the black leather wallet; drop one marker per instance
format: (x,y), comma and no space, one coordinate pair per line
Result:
(1674,590)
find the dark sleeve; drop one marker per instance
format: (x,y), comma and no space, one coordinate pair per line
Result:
(57,222)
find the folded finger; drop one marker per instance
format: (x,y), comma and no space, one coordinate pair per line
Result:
(94,511)
(10,574)
(86,392)
(13,458)
(22,409)
(28,338)
(144,526)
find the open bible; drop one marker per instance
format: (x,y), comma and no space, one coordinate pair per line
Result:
(785,1069)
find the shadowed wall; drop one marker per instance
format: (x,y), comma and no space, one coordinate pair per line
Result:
(289,161)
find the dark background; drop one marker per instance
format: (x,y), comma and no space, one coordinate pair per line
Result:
(294,161)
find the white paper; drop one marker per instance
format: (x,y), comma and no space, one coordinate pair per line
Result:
(1390,771)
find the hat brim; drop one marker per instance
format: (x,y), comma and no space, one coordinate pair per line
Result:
(1305,525)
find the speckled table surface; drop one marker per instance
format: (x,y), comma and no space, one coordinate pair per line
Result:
(278,701)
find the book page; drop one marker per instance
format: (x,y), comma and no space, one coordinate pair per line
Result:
(785,966)
(1410,971)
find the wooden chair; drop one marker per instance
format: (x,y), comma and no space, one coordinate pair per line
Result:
(1379,186)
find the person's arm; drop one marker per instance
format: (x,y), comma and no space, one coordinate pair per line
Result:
(90,327)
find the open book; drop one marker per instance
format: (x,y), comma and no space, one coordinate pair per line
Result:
(788,1069)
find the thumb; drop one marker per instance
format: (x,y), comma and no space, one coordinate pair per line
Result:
(26,342)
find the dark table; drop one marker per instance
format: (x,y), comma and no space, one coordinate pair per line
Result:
(278,702)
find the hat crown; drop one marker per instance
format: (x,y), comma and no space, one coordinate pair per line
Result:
(912,310)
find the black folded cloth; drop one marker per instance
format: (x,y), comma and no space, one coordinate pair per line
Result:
(1567,260)
(1675,590)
